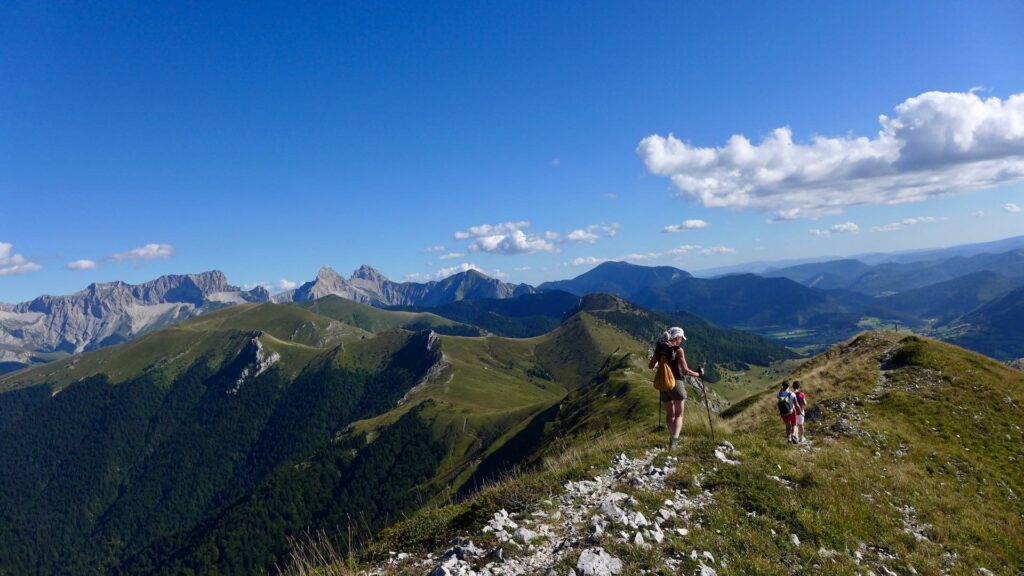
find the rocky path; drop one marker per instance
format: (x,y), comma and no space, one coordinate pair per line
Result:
(564,535)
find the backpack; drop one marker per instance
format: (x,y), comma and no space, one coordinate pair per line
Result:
(785,406)
(664,379)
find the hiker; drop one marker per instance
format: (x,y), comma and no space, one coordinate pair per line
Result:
(786,401)
(801,409)
(669,351)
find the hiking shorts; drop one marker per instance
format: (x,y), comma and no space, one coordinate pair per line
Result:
(799,419)
(677,393)
(790,419)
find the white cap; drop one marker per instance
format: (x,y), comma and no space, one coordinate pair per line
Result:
(676,332)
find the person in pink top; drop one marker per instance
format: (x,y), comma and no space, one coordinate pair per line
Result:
(801,408)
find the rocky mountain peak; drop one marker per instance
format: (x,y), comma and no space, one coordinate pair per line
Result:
(367,272)
(327,273)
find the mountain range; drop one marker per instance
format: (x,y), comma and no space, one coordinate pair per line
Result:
(368,286)
(50,327)
(108,313)
(808,305)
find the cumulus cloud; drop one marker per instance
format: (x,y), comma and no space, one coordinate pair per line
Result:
(1011,207)
(844,228)
(584,260)
(894,226)
(451,256)
(590,234)
(432,249)
(509,238)
(285,284)
(147,252)
(695,224)
(12,264)
(937,143)
(81,265)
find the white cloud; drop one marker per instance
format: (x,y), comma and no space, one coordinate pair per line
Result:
(451,256)
(676,252)
(499,274)
(464,267)
(716,250)
(686,225)
(844,228)
(147,252)
(509,238)
(285,284)
(937,143)
(611,196)
(432,249)
(12,264)
(522,268)
(590,234)
(979,214)
(1011,207)
(894,226)
(444,273)
(81,265)
(922,220)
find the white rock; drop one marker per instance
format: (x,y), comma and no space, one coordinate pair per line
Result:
(704,570)
(524,535)
(721,456)
(794,539)
(709,556)
(597,562)
(638,539)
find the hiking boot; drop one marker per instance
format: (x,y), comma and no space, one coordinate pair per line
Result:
(673,443)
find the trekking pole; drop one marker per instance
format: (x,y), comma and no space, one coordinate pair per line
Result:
(707,404)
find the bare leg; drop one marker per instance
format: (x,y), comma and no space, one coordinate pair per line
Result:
(677,424)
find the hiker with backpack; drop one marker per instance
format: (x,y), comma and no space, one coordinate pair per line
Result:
(786,402)
(670,361)
(801,409)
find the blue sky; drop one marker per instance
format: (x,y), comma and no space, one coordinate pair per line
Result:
(267,140)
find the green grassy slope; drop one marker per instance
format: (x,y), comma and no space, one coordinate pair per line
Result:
(915,464)
(294,333)
(167,453)
(377,320)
